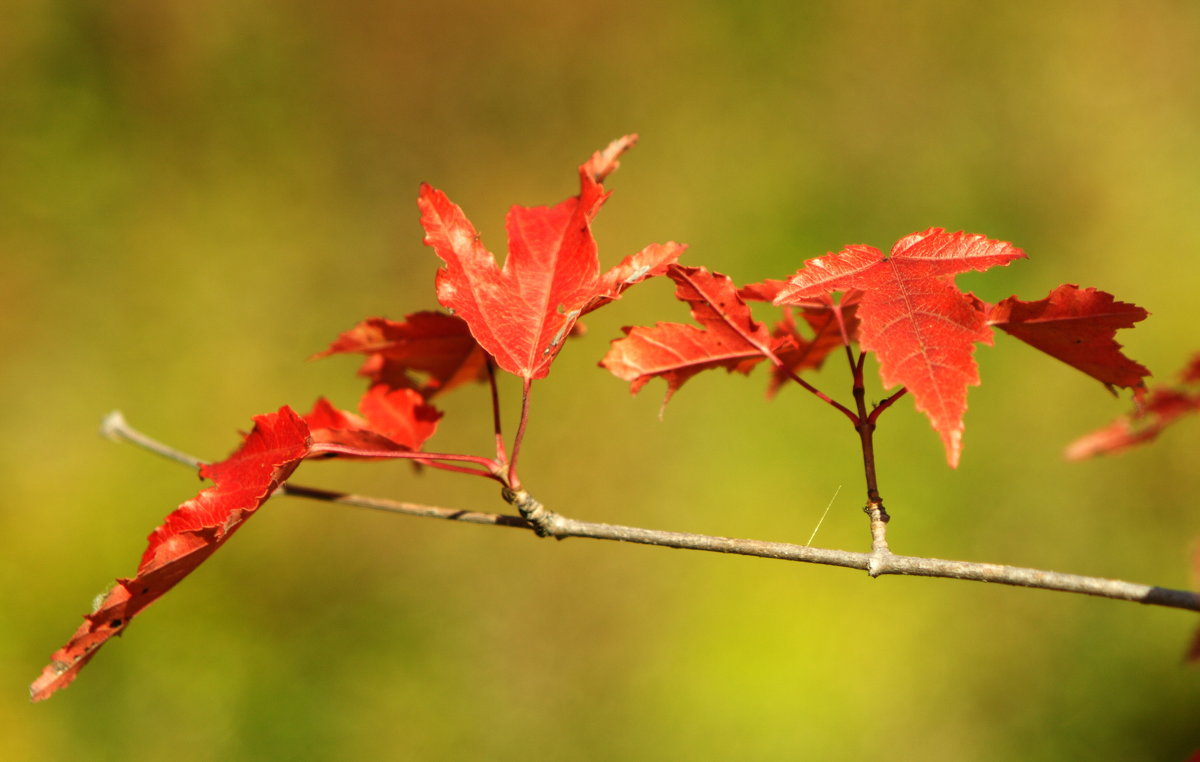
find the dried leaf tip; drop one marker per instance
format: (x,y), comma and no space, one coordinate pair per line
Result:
(605,161)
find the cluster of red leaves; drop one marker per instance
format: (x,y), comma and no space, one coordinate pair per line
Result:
(903,307)
(517,315)
(1153,411)
(729,337)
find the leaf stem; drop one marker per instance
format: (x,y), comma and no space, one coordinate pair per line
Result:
(492,473)
(501,456)
(887,403)
(514,481)
(407,509)
(866,432)
(820,394)
(491,466)
(855,368)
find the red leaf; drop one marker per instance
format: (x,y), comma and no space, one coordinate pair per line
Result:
(401,415)
(1075,325)
(921,327)
(324,416)
(1191,372)
(766,291)
(394,420)
(188,536)
(435,344)
(521,313)
(1152,413)
(675,352)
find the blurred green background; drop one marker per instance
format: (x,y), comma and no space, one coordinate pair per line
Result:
(197,196)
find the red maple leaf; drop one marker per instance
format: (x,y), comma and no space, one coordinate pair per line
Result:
(434,344)
(1075,325)
(393,420)
(729,337)
(1153,412)
(188,536)
(763,291)
(521,313)
(1191,372)
(920,326)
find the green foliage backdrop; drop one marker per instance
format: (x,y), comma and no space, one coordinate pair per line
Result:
(197,196)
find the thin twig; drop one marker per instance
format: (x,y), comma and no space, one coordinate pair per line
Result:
(878,410)
(874,508)
(865,425)
(115,427)
(408,509)
(812,389)
(555,525)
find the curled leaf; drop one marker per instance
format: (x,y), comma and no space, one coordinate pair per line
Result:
(187,537)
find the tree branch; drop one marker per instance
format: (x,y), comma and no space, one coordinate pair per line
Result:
(537,518)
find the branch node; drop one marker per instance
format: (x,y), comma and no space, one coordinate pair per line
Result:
(875,566)
(542,519)
(880,552)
